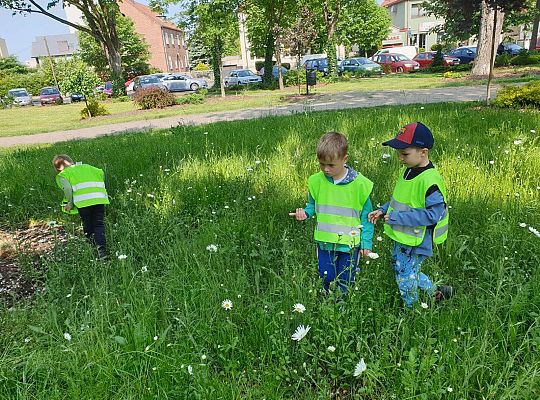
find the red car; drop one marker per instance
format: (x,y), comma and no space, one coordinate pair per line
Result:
(397,62)
(426,59)
(50,95)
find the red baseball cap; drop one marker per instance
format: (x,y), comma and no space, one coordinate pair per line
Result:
(414,134)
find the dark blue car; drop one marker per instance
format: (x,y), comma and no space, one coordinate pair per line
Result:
(466,54)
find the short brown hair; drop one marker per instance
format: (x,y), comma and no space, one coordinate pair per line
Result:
(332,145)
(59,160)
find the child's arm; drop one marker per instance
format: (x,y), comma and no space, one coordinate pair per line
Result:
(434,211)
(368,228)
(68,192)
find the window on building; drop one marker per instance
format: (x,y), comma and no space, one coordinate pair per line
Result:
(422,41)
(169,63)
(63,46)
(172,39)
(393,9)
(414,39)
(417,10)
(166,37)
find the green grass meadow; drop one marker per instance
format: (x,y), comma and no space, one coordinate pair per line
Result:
(151,326)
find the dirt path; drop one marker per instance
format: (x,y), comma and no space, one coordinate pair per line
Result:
(343,100)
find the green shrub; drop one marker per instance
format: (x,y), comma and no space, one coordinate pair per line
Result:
(201,67)
(502,60)
(295,77)
(525,58)
(437,47)
(121,99)
(452,74)
(153,97)
(438,59)
(95,109)
(518,97)
(193,98)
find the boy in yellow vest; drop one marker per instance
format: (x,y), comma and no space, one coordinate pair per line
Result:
(417,214)
(84,194)
(339,199)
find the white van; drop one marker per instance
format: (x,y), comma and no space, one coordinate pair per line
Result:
(409,51)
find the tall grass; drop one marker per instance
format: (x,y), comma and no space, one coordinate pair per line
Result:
(137,324)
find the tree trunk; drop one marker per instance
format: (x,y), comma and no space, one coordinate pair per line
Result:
(217,65)
(534,35)
(331,57)
(492,55)
(115,62)
(268,63)
(485,39)
(278,63)
(331,18)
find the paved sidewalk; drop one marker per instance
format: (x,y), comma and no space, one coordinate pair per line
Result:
(337,101)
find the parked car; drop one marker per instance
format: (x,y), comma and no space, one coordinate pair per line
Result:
(181,82)
(106,89)
(20,97)
(512,49)
(50,95)
(145,81)
(426,59)
(466,54)
(360,65)
(317,64)
(275,71)
(397,62)
(241,77)
(75,97)
(408,51)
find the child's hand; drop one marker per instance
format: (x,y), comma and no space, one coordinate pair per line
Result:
(299,214)
(374,216)
(365,252)
(386,217)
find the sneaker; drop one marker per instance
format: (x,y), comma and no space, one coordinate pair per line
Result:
(102,253)
(443,292)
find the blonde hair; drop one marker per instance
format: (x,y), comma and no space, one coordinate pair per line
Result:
(332,145)
(60,159)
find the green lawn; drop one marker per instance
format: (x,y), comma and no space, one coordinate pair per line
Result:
(28,121)
(152,326)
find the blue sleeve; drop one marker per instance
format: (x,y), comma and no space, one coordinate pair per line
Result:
(384,207)
(435,211)
(368,228)
(310,206)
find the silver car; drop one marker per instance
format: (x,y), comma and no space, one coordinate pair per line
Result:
(180,83)
(20,97)
(242,77)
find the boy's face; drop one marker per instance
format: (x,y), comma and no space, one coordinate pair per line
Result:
(333,167)
(413,157)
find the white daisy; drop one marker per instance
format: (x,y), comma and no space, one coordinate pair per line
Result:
(360,367)
(373,256)
(424,305)
(67,336)
(492,162)
(300,332)
(226,304)
(379,238)
(331,349)
(522,225)
(144,269)
(449,389)
(354,233)
(122,257)
(299,308)
(518,142)
(212,248)
(190,369)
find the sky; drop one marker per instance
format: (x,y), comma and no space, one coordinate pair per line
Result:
(20,30)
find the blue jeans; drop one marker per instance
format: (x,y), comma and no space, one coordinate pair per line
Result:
(407,265)
(337,265)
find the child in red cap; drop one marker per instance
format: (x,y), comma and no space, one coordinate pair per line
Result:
(417,214)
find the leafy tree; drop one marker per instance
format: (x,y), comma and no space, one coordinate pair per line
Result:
(10,65)
(215,23)
(365,25)
(100,17)
(80,79)
(133,49)
(267,23)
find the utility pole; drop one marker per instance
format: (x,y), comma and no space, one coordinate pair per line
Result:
(51,61)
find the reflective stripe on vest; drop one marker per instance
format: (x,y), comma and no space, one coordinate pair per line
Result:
(337,210)
(86,185)
(89,196)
